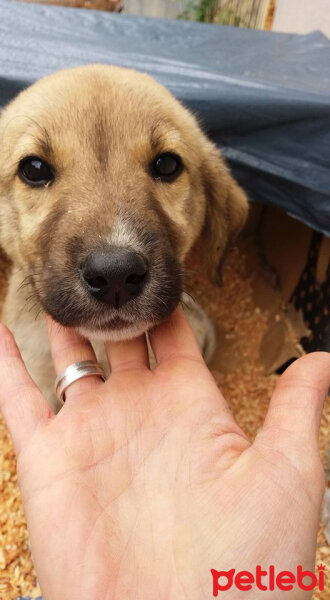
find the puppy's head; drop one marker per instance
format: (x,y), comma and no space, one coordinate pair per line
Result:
(106,182)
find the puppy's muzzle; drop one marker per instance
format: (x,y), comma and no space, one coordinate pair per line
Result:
(114,276)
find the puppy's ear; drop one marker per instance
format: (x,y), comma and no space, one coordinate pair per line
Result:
(226,211)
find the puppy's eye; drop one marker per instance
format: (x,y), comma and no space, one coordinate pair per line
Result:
(35,171)
(166,166)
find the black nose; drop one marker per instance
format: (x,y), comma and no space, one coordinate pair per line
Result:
(115,275)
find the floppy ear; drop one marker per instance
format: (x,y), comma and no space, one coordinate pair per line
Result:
(226,211)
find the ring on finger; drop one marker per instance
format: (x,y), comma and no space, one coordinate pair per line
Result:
(74,372)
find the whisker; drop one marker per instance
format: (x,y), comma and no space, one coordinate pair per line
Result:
(190,296)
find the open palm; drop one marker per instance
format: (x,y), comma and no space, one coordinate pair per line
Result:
(143,484)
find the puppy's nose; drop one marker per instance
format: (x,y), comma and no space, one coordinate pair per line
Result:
(115,275)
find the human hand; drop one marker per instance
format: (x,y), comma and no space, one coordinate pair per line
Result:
(143,484)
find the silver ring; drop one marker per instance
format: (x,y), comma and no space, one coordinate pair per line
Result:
(78,370)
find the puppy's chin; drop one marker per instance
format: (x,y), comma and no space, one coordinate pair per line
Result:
(114,335)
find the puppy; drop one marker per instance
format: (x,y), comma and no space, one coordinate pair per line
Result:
(106,183)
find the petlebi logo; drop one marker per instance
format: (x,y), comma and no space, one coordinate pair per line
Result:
(267,580)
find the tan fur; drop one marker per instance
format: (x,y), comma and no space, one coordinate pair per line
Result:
(100,127)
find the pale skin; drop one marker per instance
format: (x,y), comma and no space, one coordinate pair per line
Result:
(143,484)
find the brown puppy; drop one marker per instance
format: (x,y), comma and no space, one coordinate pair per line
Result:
(106,183)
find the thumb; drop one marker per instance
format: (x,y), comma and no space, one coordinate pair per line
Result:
(21,402)
(293,420)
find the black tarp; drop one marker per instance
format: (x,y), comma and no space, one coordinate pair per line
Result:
(263,97)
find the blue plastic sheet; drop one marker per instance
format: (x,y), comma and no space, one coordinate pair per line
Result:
(263,97)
